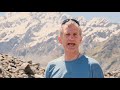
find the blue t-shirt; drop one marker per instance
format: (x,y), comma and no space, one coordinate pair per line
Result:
(83,67)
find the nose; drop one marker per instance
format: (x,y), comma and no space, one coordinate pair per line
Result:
(71,37)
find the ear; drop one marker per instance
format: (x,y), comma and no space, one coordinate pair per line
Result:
(59,39)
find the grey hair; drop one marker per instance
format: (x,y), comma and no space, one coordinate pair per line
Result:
(69,23)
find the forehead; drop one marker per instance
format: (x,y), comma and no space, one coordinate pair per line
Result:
(70,28)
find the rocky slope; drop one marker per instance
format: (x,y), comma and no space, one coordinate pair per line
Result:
(112,74)
(11,67)
(33,36)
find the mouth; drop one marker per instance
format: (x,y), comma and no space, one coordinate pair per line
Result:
(71,44)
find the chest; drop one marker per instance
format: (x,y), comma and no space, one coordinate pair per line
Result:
(72,71)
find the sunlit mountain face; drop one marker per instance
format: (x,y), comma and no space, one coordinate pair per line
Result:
(33,36)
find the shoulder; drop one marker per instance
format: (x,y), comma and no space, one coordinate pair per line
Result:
(51,66)
(55,62)
(90,60)
(94,64)
(95,68)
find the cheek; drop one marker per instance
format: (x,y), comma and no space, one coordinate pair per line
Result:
(62,40)
(79,40)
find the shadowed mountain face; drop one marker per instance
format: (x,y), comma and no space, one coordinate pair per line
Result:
(108,53)
(33,36)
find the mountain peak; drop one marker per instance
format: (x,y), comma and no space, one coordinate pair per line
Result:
(34,34)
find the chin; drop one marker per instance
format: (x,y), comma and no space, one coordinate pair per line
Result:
(71,50)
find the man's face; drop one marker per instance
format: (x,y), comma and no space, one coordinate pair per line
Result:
(70,38)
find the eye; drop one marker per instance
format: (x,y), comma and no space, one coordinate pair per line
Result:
(68,34)
(75,34)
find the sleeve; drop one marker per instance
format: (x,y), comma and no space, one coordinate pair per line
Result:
(97,71)
(47,73)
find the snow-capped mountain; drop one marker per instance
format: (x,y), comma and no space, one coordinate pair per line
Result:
(98,30)
(26,33)
(108,53)
(33,35)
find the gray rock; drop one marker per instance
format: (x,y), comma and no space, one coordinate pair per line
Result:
(38,76)
(0,69)
(12,67)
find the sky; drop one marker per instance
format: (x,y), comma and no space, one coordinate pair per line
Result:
(2,13)
(111,16)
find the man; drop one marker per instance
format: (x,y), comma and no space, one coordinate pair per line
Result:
(72,64)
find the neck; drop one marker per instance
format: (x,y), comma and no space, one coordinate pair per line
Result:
(71,55)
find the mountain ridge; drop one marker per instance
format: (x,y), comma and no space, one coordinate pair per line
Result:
(33,35)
